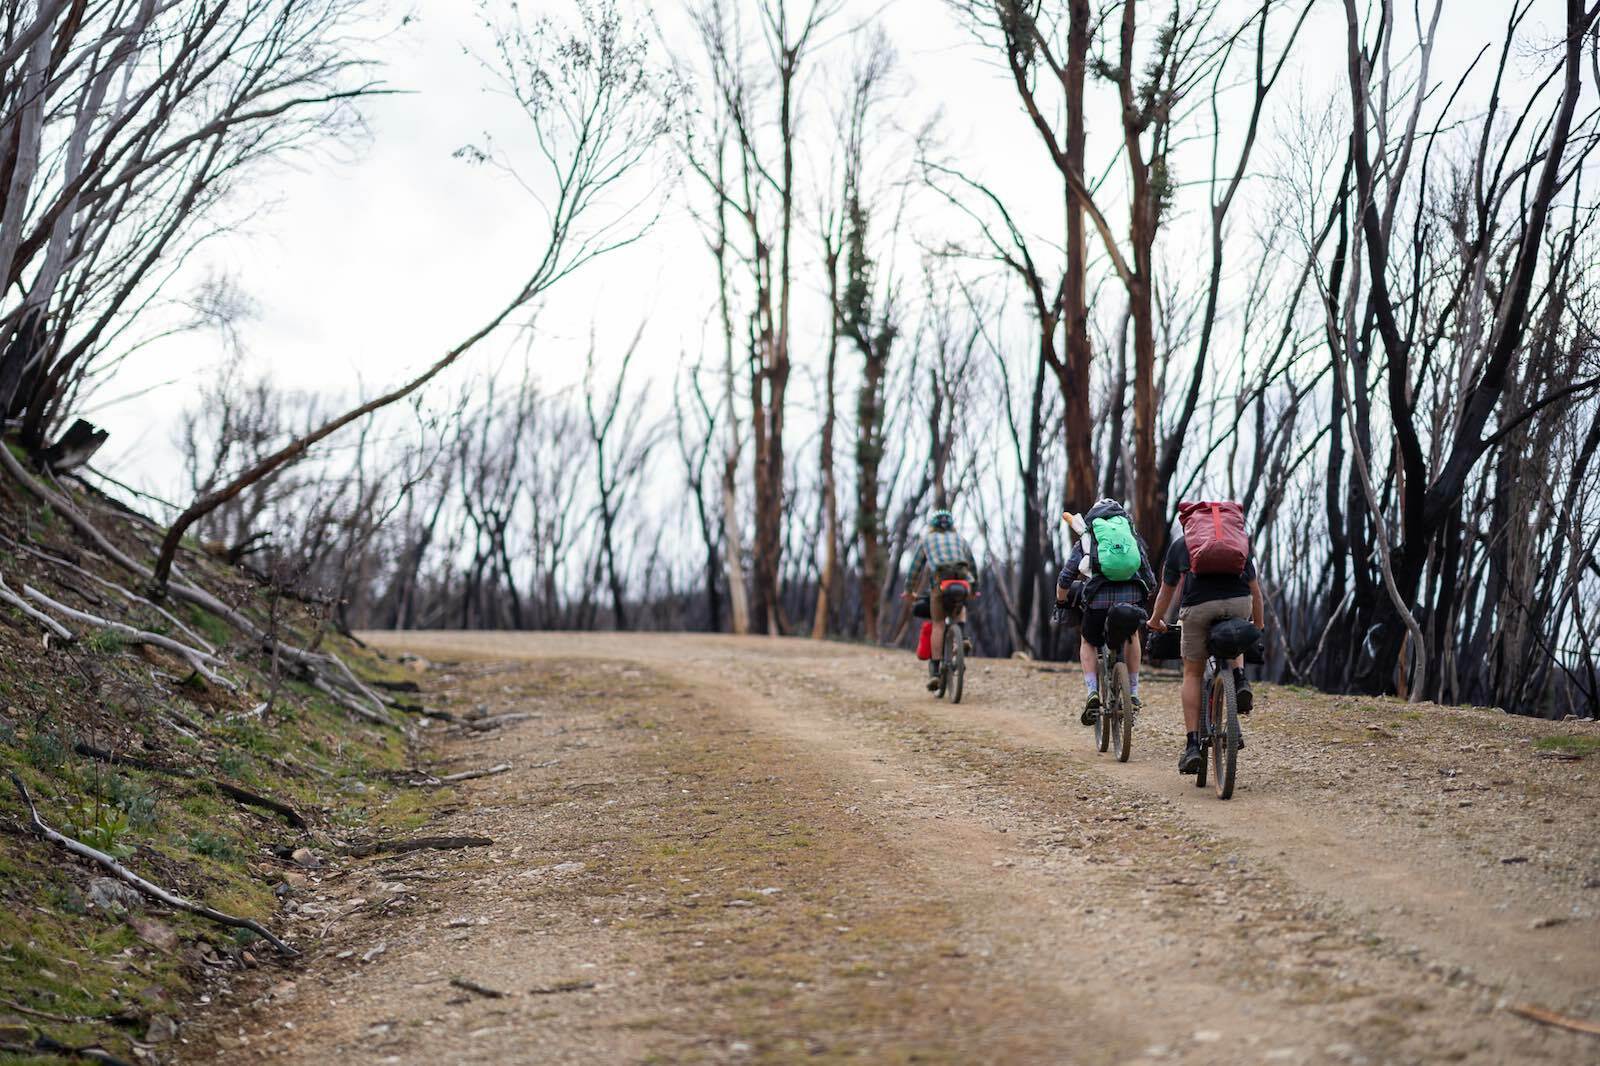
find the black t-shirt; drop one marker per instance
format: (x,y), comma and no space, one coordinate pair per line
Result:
(1203,588)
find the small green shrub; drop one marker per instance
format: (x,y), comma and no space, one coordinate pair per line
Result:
(104,642)
(45,750)
(101,826)
(213,845)
(135,800)
(234,763)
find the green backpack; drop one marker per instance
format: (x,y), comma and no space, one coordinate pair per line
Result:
(1116,549)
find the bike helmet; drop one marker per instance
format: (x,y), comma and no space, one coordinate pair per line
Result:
(942,521)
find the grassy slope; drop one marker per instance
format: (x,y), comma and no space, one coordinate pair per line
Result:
(100,979)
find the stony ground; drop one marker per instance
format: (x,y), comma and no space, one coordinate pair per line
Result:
(709,849)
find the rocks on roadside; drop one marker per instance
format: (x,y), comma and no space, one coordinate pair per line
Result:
(157,934)
(161,1030)
(109,894)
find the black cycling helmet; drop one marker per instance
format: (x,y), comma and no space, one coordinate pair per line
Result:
(943,521)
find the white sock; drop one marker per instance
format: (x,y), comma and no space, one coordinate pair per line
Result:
(1091,682)
(1133,684)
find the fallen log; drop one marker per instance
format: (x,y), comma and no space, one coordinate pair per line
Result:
(154,891)
(228,788)
(483,725)
(468,775)
(425,712)
(50,624)
(196,658)
(44,1045)
(477,989)
(182,589)
(399,847)
(1550,1017)
(132,597)
(398,686)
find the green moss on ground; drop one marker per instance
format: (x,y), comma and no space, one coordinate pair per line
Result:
(1569,745)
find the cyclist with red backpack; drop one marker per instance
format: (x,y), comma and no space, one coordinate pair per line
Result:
(943,555)
(1109,565)
(1212,562)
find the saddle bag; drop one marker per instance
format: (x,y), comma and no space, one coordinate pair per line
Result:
(1232,637)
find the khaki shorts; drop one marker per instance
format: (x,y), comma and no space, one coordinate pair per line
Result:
(1197,622)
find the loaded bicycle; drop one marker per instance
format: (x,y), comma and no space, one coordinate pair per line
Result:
(1113,725)
(953,593)
(1220,737)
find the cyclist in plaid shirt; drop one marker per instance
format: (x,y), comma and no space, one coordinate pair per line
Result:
(1096,595)
(943,554)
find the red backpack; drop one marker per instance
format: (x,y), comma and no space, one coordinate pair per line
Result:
(1216,537)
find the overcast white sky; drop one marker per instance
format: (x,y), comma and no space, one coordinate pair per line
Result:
(370,262)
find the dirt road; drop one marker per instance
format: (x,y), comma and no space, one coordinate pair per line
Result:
(710,849)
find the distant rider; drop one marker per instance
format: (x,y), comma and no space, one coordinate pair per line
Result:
(943,555)
(1099,587)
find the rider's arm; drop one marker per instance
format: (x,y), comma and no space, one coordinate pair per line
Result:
(1258,612)
(1171,581)
(1069,572)
(918,562)
(1158,614)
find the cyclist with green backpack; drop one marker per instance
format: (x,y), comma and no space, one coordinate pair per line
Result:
(1109,565)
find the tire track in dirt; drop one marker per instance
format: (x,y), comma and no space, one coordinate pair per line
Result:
(1065,911)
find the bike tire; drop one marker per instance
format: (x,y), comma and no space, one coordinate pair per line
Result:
(1225,733)
(1205,743)
(958,652)
(1102,721)
(1122,720)
(944,666)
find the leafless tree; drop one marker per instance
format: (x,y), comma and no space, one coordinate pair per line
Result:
(596,107)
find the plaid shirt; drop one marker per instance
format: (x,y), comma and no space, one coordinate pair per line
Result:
(939,552)
(1101,594)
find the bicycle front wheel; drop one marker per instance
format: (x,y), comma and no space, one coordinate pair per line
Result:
(1122,713)
(1224,711)
(957,659)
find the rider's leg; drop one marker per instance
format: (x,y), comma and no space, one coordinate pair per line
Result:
(1241,685)
(1194,676)
(1194,673)
(1089,659)
(1094,636)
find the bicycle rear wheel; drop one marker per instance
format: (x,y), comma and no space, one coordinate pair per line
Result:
(1224,715)
(957,657)
(944,666)
(1122,715)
